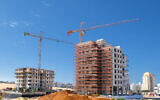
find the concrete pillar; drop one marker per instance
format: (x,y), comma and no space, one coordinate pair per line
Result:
(117,90)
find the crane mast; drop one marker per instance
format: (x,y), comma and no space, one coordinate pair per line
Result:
(82,32)
(39,51)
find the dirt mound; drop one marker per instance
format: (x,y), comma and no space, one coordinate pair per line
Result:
(68,95)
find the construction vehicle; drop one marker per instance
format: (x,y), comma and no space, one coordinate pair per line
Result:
(83,30)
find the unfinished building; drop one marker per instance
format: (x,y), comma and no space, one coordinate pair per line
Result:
(100,68)
(34,79)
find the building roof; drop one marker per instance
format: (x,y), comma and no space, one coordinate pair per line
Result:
(146,74)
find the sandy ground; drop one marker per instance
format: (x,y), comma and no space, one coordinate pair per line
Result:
(20,98)
(69,95)
(4,86)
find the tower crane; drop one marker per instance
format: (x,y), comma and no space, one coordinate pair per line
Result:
(83,30)
(40,44)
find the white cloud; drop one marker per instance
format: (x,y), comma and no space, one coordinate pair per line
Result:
(3,24)
(27,23)
(37,15)
(13,24)
(46,3)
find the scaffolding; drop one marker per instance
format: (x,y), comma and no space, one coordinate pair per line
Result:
(93,68)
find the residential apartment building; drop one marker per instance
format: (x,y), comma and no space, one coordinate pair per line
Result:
(157,90)
(100,68)
(34,79)
(135,88)
(149,81)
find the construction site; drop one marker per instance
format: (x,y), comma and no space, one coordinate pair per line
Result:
(93,68)
(29,79)
(100,68)
(79,49)
(32,80)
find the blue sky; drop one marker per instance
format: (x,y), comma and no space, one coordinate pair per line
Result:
(140,40)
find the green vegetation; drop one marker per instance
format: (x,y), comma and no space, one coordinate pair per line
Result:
(147,91)
(120,99)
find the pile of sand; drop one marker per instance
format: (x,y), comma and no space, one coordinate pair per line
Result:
(68,95)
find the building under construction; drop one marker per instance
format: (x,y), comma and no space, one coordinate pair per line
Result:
(34,80)
(100,68)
